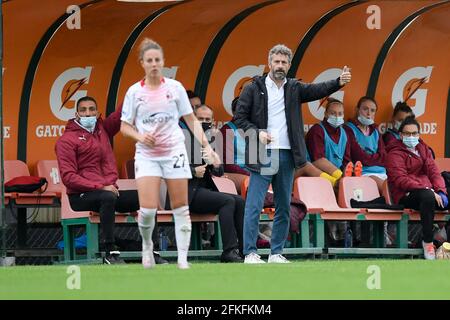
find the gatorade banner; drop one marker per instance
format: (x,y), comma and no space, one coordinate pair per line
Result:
(24,23)
(350,39)
(417,54)
(243,55)
(69,49)
(185,33)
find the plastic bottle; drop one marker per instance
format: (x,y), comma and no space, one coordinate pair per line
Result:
(162,241)
(348,238)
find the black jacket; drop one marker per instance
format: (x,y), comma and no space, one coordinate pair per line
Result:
(252,113)
(194,161)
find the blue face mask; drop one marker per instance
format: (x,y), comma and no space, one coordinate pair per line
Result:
(335,121)
(410,142)
(88,122)
(364,121)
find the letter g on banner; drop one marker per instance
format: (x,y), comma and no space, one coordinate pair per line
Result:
(420,96)
(66,87)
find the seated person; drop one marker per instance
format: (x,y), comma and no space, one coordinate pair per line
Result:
(327,145)
(365,141)
(401,111)
(327,141)
(204,197)
(89,172)
(414,179)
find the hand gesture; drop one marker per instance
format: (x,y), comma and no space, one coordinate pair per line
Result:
(200,171)
(265,137)
(112,189)
(439,200)
(345,76)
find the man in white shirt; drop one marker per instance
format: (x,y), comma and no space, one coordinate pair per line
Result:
(268,111)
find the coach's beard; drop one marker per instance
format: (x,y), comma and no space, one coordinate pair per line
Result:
(279,75)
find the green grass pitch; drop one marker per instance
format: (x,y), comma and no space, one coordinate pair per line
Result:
(306,279)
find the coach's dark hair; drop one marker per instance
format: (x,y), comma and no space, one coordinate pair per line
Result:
(87,98)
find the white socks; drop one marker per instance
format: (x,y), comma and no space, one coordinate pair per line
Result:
(146,223)
(182,234)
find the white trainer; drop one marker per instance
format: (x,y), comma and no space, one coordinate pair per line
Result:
(277,258)
(148,260)
(428,250)
(253,258)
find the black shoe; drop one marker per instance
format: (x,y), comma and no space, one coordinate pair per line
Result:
(159,259)
(113,257)
(231,256)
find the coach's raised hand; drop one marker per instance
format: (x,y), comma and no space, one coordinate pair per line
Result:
(345,76)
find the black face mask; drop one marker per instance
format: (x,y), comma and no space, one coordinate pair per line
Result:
(206,126)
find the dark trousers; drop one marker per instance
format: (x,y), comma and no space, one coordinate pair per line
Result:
(106,203)
(424,201)
(230,208)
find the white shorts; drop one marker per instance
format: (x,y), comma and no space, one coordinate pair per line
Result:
(176,168)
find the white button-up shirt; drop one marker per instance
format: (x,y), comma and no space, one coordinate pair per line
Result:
(277,126)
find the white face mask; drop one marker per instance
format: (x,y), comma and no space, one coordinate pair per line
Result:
(364,121)
(335,121)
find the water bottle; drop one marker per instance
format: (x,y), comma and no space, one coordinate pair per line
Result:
(162,242)
(348,238)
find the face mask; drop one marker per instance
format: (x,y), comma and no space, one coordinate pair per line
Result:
(335,121)
(206,126)
(88,122)
(410,142)
(364,121)
(397,125)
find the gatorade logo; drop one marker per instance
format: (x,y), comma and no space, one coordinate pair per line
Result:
(408,83)
(66,90)
(228,93)
(315,107)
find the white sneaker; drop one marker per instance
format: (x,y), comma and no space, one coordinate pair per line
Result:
(253,258)
(148,260)
(428,251)
(277,258)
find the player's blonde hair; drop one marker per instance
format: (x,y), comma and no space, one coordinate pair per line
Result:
(148,44)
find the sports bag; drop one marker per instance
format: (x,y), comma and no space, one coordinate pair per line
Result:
(27,184)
